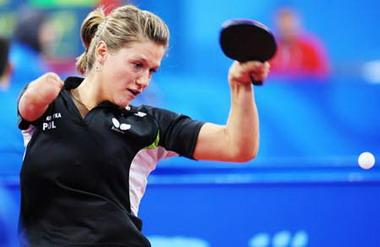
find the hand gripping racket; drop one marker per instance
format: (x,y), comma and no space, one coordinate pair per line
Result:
(247,40)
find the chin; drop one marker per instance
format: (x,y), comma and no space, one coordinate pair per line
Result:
(123,102)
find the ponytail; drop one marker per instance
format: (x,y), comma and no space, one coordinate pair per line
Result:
(88,31)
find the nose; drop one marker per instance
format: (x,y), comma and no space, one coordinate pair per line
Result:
(143,80)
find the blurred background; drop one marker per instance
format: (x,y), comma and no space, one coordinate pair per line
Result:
(318,113)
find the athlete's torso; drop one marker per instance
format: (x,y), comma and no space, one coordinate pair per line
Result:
(83,178)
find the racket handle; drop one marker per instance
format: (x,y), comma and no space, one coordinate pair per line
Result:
(256,83)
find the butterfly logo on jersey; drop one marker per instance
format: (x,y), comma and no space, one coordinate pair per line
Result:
(140,114)
(120,127)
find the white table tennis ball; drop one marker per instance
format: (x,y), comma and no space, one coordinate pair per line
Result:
(366,160)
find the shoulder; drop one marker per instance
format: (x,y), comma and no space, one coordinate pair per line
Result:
(72,82)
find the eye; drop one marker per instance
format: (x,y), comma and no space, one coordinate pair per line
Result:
(138,66)
(152,71)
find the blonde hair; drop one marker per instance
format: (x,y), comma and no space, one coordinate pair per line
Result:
(122,26)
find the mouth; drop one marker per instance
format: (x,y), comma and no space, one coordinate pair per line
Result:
(134,92)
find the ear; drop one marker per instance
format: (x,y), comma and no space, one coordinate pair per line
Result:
(101,52)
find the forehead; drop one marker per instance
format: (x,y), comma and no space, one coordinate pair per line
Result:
(144,50)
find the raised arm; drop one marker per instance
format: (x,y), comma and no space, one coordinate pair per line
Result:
(238,140)
(38,95)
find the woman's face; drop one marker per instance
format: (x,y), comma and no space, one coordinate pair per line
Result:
(127,72)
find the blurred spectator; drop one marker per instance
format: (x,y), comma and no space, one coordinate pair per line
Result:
(30,42)
(5,66)
(33,35)
(299,54)
(11,144)
(11,149)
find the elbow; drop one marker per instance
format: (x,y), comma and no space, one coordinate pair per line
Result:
(26,109)
(243,155)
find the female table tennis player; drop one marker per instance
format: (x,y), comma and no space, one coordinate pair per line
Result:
(89,151)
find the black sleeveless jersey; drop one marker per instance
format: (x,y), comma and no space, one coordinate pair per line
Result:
(82,179)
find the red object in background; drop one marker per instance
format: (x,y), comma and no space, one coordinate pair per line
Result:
(61,66)
(303,57)
(109,5)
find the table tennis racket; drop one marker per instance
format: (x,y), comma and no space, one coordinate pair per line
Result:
(247,40)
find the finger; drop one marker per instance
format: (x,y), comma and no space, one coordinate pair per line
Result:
(261,71)
(260,76)
(251,65)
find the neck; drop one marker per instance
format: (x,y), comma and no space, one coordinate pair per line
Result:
(89,92)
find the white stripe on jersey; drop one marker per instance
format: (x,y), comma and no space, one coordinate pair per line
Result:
(142,165)
(27,134)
